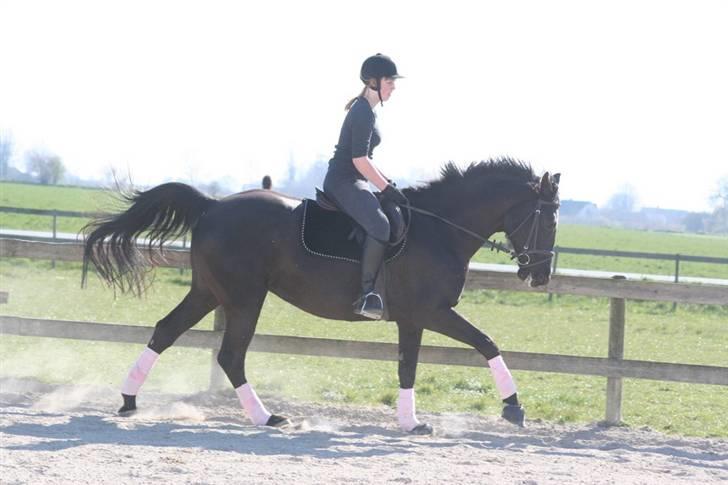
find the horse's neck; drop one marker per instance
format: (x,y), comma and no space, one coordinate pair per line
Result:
(484,219)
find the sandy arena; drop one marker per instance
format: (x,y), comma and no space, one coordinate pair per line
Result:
(63,434)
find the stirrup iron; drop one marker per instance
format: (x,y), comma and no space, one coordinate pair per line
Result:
(374,310)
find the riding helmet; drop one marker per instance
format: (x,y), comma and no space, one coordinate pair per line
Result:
(377,67)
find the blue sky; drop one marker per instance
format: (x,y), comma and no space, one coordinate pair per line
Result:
(609,94)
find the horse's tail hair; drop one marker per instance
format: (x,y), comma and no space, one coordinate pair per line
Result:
(112,243)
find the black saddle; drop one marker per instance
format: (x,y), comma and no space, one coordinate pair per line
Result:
(327,231)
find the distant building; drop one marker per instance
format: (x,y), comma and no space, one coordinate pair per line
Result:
(655,218)
(12,174)
(579,212)
(647,218)
(576,207)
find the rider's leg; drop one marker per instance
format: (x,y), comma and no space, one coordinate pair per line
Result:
(370,303)
(355,198)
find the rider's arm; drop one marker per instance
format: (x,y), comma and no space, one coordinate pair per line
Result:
(370,172)
(362,126)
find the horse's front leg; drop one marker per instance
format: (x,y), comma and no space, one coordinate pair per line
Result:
(451,323)
(410,339)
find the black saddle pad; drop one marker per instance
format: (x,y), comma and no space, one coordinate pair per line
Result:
(333,234)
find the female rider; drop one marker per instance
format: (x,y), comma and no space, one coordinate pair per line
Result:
(351,171)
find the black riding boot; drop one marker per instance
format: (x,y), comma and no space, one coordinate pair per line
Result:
(370,304)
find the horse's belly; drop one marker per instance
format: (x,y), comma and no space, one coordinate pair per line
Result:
(323,287)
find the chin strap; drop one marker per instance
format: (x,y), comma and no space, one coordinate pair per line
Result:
(379,91)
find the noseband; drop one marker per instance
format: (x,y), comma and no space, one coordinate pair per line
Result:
(524,256)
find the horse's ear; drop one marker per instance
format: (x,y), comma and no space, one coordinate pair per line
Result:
(557,177)
(546,186)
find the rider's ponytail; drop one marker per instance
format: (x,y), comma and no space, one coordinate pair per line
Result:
(350,103)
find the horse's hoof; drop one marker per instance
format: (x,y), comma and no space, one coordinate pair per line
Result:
(276,421)
(422,429)
(514,413)
(129,406)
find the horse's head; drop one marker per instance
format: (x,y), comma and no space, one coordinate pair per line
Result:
(531,229)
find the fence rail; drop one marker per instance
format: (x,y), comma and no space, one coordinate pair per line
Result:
(478,277)
(614,367)
(354,349)
(50,212)
(640,255)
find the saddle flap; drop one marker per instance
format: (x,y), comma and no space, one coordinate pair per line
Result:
(328,233)
(324,201)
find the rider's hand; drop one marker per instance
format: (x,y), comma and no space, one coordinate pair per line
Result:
(392,193)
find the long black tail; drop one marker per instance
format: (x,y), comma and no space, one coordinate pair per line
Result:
(112,242)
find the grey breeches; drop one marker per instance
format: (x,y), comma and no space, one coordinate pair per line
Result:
(354,197)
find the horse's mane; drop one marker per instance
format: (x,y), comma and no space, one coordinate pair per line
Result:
(492,176)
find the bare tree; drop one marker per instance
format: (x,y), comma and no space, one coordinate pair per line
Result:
(624,201)
(47,167)
(719,200)
(214,189)
(694,222)
(118,182)
(6,152)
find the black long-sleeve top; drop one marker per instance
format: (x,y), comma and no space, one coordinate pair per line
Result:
(359,136)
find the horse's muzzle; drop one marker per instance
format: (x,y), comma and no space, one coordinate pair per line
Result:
(539,279)
(533,279)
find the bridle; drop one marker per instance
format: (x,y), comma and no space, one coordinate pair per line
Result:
(524,256)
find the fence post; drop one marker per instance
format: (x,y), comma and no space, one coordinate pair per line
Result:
(553,268)
(218,379)
(677,277)
(184,245)
(616,352)
(55,232)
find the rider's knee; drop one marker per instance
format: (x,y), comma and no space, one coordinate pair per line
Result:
(379,229)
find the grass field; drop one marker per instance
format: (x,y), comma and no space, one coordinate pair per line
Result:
(517,322)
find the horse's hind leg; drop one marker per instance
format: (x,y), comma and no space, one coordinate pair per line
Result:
(241,320)
(410,339)
(191,310)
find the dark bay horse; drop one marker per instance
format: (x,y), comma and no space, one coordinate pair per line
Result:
(248,244)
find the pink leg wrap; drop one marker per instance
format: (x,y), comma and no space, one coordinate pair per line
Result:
(252,405)
(406,410)
(503,379)
(138,373)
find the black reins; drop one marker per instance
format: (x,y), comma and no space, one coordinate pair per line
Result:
(524,257)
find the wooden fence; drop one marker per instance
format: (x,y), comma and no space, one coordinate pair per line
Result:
(614,367)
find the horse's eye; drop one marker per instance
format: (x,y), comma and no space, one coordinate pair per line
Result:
(551,222)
